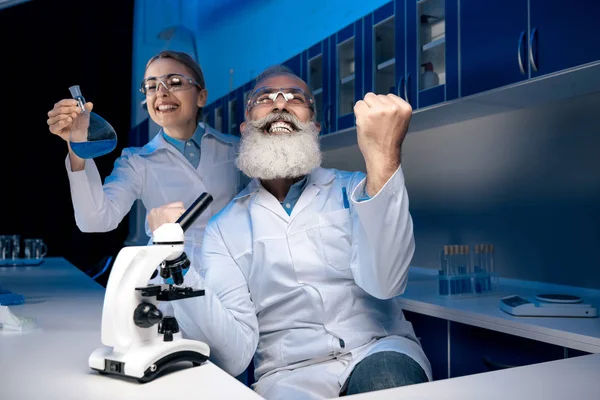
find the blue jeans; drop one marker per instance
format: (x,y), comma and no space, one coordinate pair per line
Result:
(384,370)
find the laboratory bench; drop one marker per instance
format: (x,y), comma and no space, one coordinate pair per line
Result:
(464,336)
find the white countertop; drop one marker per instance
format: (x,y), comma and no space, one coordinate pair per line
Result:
(52,361)
(574,378)
(483,311)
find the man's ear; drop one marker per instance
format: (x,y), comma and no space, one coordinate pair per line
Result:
(318,125)
(202,96)
(242,127)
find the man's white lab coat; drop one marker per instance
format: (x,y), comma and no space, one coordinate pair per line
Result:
(302,289)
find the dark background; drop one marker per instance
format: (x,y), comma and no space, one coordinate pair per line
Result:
(48,46)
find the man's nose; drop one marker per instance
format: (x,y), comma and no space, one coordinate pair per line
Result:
(280,102)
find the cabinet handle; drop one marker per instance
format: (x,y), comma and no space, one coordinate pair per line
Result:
(327,115)
(406,88)
(519,48)
(531,60)
(400,83)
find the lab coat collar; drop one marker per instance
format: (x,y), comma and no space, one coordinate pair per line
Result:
(318,177)
(159,142)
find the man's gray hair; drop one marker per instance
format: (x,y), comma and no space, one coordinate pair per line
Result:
(274,70)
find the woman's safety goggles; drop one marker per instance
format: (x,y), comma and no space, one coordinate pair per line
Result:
(171,82)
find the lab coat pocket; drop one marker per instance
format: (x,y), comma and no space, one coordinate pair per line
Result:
(335,229)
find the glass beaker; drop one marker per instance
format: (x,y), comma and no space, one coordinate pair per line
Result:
(91,136)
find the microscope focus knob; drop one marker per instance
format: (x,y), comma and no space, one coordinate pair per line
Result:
(146,315)
(168,327)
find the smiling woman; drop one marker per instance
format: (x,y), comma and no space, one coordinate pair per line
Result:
(169,172)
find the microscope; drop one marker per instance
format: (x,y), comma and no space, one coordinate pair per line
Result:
(139,342)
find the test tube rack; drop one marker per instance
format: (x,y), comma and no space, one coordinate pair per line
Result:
(465,274)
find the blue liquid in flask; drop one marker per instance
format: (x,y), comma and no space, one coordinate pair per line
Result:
(91,136)
(93,149)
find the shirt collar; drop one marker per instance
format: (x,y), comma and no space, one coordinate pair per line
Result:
(318,176)
(179,144)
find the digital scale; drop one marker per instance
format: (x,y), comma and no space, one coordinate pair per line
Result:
(548,305)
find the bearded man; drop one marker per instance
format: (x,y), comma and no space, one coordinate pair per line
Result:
(302,268)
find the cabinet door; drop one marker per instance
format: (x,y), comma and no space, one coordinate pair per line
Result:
(348,73)
(400,45)
(433,334)
(431,52)
(208,114)
(318,78)
(380,56)
(474,350)
(219,118)
(563,34)
(295,64)
(247,91)
(493,44)
(235,111)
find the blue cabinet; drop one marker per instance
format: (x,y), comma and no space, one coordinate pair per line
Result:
(347,73)
(318,60)
(208,114)
(333,70)
(218,110)
(235,111)
(562,34)
(433,335)
(295,64)
(508,41)
(411,50)
(431,52)
(493,44)
(475,350)
(384,54)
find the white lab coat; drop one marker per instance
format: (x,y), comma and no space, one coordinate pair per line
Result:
(157,174)
(298,291)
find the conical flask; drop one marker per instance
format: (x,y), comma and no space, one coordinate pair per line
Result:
(91,136)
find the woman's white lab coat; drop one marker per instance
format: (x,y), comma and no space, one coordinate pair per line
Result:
(157,174)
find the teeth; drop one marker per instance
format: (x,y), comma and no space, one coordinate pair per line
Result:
(280,127)
(164,107)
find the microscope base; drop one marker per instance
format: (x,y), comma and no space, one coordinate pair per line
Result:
(146,362)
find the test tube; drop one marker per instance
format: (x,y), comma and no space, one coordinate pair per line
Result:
(486,268)
(455,257)
(477,268)
(466,267)
(491,268)
(443,273)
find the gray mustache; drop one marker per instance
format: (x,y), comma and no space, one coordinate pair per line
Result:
(264,122)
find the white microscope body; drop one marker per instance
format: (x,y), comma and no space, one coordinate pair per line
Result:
(132,346)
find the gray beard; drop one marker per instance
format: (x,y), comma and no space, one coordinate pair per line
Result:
(282,155)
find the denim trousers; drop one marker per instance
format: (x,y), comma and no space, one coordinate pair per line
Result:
(383,370)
